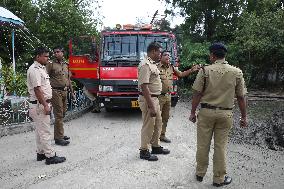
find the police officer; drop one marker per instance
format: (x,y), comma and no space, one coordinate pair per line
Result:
(40,93)
(215,88)
(166,75)
(150,87)
(60,82)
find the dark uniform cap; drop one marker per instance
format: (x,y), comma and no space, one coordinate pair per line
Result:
(217,46)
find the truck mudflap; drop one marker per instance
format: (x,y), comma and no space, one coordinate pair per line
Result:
(119,102)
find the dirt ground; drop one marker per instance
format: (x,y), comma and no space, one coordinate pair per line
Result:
(104,154)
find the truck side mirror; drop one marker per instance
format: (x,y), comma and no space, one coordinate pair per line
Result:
(94,51)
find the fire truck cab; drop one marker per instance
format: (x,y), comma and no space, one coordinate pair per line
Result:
(111,72)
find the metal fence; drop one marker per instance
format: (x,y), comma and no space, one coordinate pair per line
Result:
(14,110)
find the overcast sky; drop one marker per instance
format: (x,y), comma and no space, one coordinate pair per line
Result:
(127,11)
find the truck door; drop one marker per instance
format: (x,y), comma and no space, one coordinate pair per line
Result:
(84,61)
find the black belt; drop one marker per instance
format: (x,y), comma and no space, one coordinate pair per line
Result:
(60,88)
(35,101)
(152,95)
(208,106)
(163,94)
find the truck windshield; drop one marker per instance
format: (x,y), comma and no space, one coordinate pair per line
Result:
(165,41)
(119,47)
(125,48)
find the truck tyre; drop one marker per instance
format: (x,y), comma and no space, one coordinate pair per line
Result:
(108,109)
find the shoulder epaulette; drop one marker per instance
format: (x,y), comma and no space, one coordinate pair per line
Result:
(36,66)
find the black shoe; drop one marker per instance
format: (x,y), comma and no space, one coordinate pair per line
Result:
(61,142)
(165,139)
(145,154)
(199,178)
(40,157)
(227,181)
(66,138)
(95,111)
(160,150)
(54,160)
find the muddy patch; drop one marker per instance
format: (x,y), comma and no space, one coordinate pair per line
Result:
(265,120)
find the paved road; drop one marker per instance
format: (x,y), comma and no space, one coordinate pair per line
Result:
(104,154)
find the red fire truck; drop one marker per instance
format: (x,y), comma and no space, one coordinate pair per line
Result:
(110,71)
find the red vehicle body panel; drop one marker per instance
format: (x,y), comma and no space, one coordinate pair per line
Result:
(81,67)
(118,73)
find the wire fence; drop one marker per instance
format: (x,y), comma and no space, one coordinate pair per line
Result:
(14,110)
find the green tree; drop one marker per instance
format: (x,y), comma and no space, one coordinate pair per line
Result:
(162,24)
(260,39)
(209,19)
(48,22)
(60,20)
(252,29)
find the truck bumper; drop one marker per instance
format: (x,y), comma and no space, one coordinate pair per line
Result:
(129,102)
(118,102)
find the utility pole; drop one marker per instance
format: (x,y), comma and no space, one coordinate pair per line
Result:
(155,14)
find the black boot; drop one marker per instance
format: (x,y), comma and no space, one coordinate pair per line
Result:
(199,178)
(227,181)
(165,139)
(40,157)
(145,154)
(160,150)
(66,138)
(54,160)
(61,142)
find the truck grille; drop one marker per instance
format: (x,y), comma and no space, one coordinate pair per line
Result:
(128,88)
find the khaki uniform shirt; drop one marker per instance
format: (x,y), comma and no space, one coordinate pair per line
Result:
(166,75)
(37,77)
(58,72)
(149,73)
(223,83)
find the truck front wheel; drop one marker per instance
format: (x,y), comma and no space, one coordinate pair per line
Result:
(108,109)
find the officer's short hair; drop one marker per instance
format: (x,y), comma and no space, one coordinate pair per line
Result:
(218,49)
(58,47)
(40,50)
(153,46)
(164,51)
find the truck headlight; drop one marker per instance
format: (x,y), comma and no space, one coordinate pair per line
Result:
(107,88)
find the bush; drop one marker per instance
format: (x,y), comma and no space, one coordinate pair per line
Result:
(13,83)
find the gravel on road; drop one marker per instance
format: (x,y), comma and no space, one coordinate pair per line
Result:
(103,153)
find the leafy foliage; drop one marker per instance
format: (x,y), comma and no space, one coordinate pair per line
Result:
(213,20)
(194,53)
(260,38)
(47,22)
(252,30)
(13,83)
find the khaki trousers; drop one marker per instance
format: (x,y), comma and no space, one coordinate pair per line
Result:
(151,129)
(218,123)
(165,107)
(42,129)
(59,104)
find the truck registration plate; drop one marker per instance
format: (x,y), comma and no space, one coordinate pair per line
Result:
(134,104)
